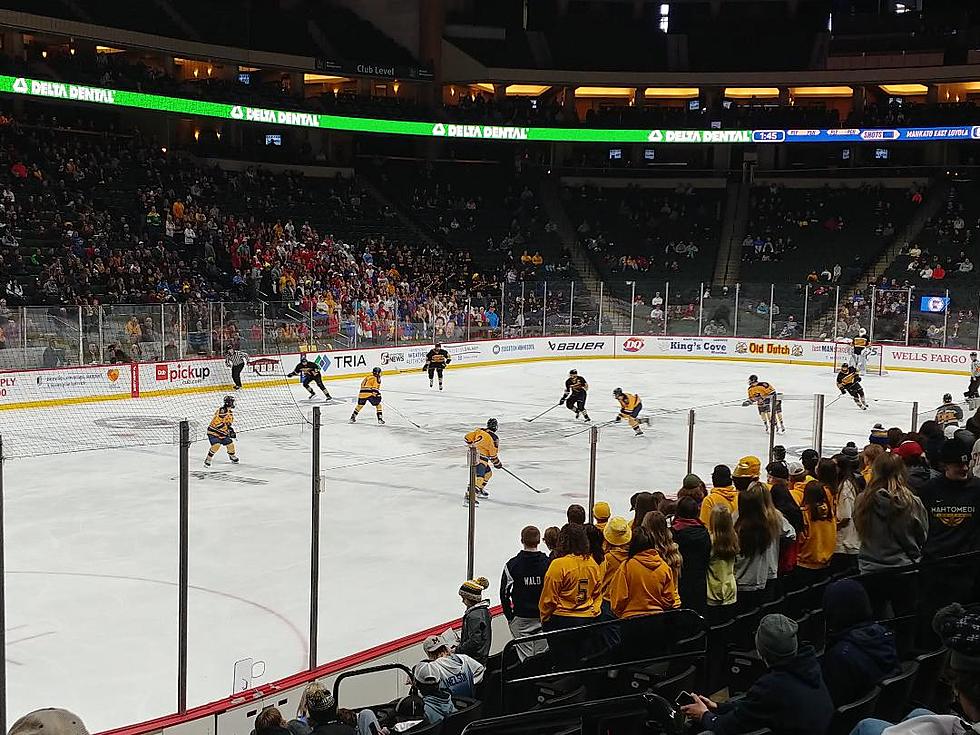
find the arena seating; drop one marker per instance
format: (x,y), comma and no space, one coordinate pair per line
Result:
(633,670)
(941,259)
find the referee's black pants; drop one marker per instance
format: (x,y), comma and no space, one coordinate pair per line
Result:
(236,374)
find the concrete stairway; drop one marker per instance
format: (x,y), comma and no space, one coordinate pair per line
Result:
(614,311)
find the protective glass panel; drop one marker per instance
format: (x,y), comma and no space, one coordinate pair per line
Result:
(516,308)
(788,309)
(52,336)
(963,315)
(720,317)
(754,301)
(558,309)
(116,540)
(891,315)
(683,308)
(854,314)
(928,328)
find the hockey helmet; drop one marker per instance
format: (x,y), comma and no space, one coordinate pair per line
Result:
(302,357)
(862,331)
(376,371)
(492,424)
(617,391)
(753,379)
(229,402)
(947,398)
(973,354)
(438,345)
(573,371)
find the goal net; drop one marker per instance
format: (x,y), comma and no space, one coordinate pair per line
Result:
(844,354)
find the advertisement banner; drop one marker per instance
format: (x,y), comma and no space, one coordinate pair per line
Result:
(79,93)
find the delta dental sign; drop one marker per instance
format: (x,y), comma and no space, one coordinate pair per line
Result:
(62,91)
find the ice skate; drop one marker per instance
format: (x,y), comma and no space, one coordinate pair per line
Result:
(481,493)
(466,500)
(207,463)
(234,459)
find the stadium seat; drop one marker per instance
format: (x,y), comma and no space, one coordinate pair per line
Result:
(813,629)
(743,631)
(683,682)
(926,687)
(794,603)
(719,639)
(467,710)
(744,667)
(895,690)
(559,698)
(848,715)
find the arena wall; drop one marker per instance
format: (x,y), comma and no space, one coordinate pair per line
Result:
(62,386)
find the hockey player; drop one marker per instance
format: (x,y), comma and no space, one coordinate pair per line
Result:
(972,390)
(761,394)
(221,433)
(370,392)
(487,446)
(949,413)
(576,391)
(848,381)
(435,362)
(859,348)
(309,372)
(629,409)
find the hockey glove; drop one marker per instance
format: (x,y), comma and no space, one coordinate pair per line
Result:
(498,464)
(425,367)
(746,403)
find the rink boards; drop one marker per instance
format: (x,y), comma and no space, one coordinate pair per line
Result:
(64,386)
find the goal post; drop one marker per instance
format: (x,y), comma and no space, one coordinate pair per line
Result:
(844,353)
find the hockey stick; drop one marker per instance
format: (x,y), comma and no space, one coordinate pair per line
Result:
(544,412)
(834,401)
(525,484)
(403,415)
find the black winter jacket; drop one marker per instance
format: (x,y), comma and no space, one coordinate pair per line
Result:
(790,699)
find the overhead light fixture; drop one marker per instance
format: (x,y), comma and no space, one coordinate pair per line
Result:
(750,92)
(679,93)
(905,90)
(604,92)
(830,91)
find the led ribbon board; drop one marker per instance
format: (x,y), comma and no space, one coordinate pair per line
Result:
(224,111)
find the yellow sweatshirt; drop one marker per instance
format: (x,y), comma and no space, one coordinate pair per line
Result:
(571,588)
(727,495)
(818,540)
(615,556)
(644,584)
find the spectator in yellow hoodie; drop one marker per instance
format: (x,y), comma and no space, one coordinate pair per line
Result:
(746,472)
(819,536)
(618,535)
(644,583)
(722,491)
(570,595)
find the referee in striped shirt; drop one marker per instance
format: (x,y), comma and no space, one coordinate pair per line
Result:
(236,360)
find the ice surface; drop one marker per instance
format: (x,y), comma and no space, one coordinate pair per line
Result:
(92,537)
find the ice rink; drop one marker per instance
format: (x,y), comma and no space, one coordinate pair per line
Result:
(91,537)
